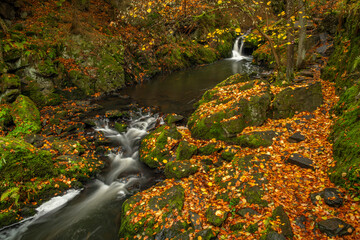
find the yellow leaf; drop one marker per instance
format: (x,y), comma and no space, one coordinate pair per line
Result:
(149,10)
(165,161)
(219,2)
(268,3)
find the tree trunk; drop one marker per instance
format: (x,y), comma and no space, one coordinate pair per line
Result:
(302,35)
(290,38)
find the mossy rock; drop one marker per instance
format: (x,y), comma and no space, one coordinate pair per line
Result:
(255,139)
(8,218)
(21,161)
(5,116)
(237,226)
(120,127)
(180,169)
(226,124)
(228,153)
(152,149)
(173,118)
(215,217)
(285,226)
(185,150)
(173,198)
(236,78)
(206,234)
(208,149)
(173,232)
(254,195)
(26,116)
(298,99)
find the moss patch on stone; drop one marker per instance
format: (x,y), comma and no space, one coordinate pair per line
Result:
(180,169)
(185,150)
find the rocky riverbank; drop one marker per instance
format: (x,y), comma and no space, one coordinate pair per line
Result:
(257,168)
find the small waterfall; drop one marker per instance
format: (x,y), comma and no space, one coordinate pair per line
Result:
(93,211)
(237,52)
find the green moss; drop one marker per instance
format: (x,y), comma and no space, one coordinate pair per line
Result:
(26,116)
(172,198)
(237,226)
(5,116)
(9,81)
(236,78)
(8,218)
(346,141)
(185,150)
(120,127)
(253,140)
(254,195)
(252,228)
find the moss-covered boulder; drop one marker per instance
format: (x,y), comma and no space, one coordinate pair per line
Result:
(168,201)
(225,111)
(185,150)
(280,214)
(228,153)
(26,116)
(173,118)
(297,99)
(255,139)
(21,161)
(180,169)
(215,216)
(153,148)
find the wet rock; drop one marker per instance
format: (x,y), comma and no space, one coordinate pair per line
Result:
(180,169)
(208,149)
(247,211)
(335,227)
(306,73)
(274,236)
(300,161)
(215,216)
(285,226)
(173,118)
(89,122)
(115,114)
(299,99)
(296,138)
(33,139)
(185,150)
(331,197)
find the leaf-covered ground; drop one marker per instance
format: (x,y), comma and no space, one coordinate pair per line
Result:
(223,188)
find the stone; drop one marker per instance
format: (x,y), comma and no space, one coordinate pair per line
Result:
(331,197)
(297,99)
(296,138)
(335,227)
(206,234)
(299,160)
(195,220)
(185,150)
(228,153)
(285,226)
(300,221)
(208,149)
(247,211)
(274,236)
(173,118)
(180,169)
(256,139)
(215,216)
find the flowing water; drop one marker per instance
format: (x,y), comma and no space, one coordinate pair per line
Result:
(94,212)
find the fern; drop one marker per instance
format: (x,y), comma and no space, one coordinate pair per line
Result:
(11,193)
(355,63)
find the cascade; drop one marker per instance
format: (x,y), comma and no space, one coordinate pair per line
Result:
(237,51)
(85,214)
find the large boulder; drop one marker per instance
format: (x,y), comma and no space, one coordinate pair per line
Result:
(26,116)
(21,161)
(225,110)
(5,116)
(9,88)
(297,99)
